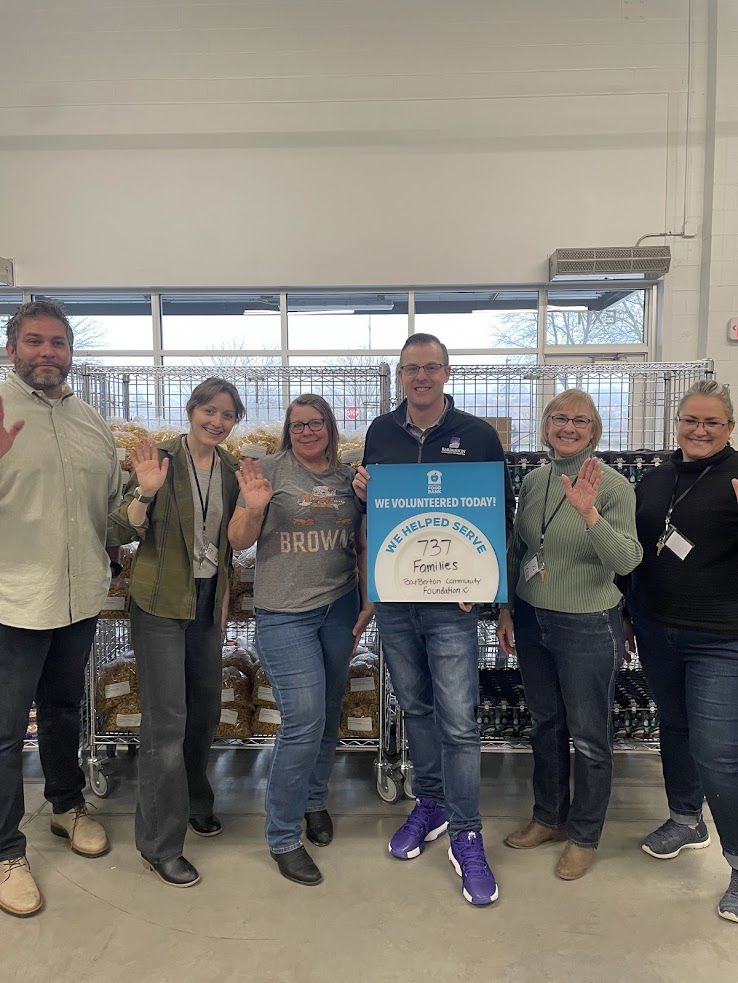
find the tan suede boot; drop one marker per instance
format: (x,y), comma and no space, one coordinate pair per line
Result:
(19,894)
(86,836)
(532,835)
(574,862)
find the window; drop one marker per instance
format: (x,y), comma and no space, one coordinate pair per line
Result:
(10,301)
(221,322)
(119,322)
(344,321)
(480,319)
(595,317)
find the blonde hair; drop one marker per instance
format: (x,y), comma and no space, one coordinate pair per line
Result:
(565,401)
(711,388)
(326,412)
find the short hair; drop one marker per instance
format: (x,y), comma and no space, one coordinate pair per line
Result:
(204,393)
(565,401)
(37,308)
(420,338)
(709,387)
(327,414)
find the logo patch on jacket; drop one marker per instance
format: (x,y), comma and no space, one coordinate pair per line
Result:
(453,447)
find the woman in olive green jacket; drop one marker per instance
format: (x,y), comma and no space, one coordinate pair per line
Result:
(178,507)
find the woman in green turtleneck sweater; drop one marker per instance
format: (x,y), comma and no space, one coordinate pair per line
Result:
(574,530)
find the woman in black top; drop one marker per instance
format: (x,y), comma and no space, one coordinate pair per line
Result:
(682,604)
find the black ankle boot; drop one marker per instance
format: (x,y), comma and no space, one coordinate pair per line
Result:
(205,827)
(319,827)
(176,872)
(297,866)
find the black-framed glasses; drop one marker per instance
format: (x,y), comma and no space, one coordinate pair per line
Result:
(691,423)
(561,420)
(314,425)
(430,368)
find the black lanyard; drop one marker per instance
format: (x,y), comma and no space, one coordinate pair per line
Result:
(204,505)
(544,523)
(673,504)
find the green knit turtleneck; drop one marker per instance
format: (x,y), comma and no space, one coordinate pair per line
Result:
(580,562)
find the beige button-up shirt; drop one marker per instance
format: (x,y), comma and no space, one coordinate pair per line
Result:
(57,484)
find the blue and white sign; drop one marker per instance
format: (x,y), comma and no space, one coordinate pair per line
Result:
(436,533)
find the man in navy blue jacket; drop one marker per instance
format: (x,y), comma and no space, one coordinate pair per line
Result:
(432,648)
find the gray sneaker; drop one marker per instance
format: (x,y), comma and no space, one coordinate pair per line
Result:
(670,839)
(728,907)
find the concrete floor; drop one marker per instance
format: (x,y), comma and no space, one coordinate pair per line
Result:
(630,919)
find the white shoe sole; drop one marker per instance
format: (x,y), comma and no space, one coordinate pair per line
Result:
(670,856)
(432,835)
(728,915)
(457,867)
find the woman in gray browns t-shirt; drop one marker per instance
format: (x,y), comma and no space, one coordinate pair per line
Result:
(309,598)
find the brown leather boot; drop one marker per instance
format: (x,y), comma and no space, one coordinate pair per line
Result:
(574,862)
(532,835)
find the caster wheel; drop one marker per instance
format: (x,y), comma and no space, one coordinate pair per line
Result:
(100,783)
(132,750)
(110,750)
(407,787)
(389,787)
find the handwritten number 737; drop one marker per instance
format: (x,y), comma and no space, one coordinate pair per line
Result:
(434,547)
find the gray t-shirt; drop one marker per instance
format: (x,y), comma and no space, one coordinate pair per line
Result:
(202,567)
(306,553)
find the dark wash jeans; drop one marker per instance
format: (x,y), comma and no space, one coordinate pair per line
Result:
(179,665)
(568,663)
(693,676)
(48,666)
(432,653)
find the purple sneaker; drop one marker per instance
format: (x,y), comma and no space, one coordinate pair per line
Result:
(478,884)
(425,823)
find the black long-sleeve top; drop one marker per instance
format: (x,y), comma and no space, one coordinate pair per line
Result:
(698,592)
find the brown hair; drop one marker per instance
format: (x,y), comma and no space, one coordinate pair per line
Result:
(565,401)
(420,338)
(325,411)
(202,394)
(37,308)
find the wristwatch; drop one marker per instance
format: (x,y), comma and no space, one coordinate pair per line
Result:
(143,499)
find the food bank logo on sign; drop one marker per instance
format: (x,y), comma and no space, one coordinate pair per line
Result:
(434,482)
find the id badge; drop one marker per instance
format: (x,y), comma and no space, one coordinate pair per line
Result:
(211,553)
(679,545)
(531,568)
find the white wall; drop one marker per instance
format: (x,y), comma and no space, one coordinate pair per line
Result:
(332,142)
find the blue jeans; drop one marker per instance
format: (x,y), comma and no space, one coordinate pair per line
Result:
(693,676)
(432,653)
(568,663)
(306,657)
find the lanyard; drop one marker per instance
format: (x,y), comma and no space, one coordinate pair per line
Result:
(545,524)
(204,505)
(673,504)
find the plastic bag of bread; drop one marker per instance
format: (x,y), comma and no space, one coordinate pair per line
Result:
(266,720)
(265,436)
(241,585)
(241,656)
(117,682)
(362,685)
(358,720)
(117,696)
(262,693)
(351,447)
(236,689)
(126,435)
(235,723)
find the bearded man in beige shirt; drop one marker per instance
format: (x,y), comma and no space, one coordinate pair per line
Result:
(59,478)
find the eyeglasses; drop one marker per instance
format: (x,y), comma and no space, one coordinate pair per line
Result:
(432,368)
(690,423)
(314,425)
(560,420)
